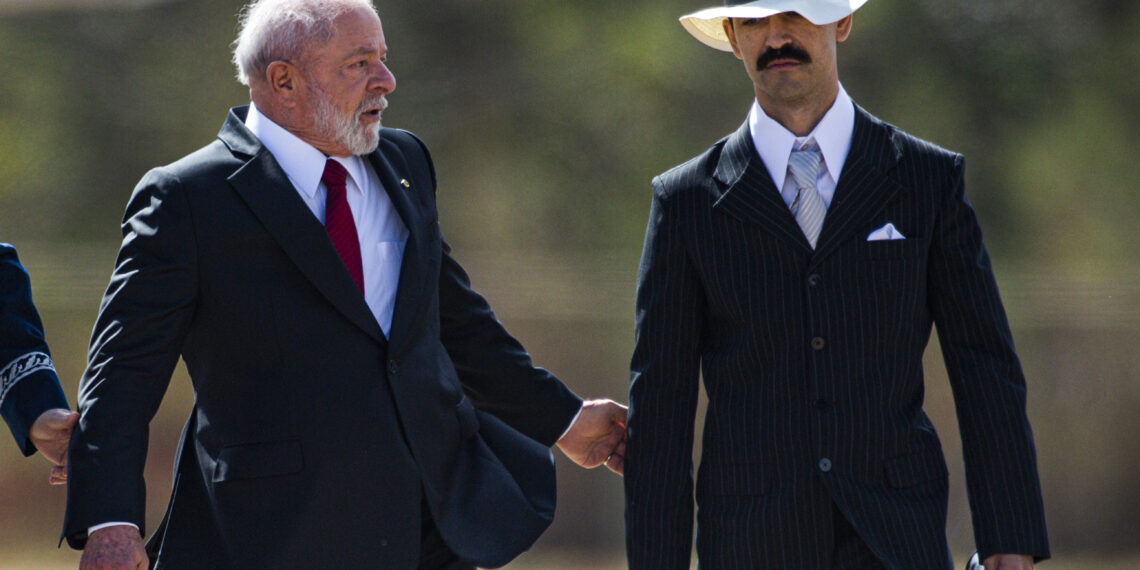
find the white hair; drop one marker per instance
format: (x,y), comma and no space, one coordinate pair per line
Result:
(276,30)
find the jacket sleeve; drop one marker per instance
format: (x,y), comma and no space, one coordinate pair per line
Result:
(664,382)
(987,382)
(135,344)
(495,370)
(28,382)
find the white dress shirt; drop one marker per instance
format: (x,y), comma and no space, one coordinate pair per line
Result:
(774,144)
(381,231)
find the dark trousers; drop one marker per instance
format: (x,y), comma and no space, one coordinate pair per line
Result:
(851,553)
(434,552)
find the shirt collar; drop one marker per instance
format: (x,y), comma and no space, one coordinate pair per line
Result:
(301,161)
(774,143)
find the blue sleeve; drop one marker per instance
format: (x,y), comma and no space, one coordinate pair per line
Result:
(28,382)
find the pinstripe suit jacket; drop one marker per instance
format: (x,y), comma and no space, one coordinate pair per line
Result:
(812,363)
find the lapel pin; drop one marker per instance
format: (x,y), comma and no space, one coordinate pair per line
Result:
(404,182)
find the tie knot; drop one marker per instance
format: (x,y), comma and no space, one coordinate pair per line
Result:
(804,164)
(334,175)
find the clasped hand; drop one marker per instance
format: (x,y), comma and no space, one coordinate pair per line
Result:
(51,435)
(597,436)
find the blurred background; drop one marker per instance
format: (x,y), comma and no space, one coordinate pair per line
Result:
(547,121)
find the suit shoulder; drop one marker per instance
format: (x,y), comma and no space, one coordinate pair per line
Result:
(410,150)
(911,144)
(405,141)
(922,160)
(400,136)
(912,147)
(916,162)
(212,156)
(211,162)
(690,175)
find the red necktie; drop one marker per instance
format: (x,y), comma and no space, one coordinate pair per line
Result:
(338,221)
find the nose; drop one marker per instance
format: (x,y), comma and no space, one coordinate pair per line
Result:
(778,31)
(382,79)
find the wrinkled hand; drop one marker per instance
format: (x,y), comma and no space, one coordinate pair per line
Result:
(51,434)
(114,548)
(1008,562)
(598,436)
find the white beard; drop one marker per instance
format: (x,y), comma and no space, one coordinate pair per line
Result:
(346,130)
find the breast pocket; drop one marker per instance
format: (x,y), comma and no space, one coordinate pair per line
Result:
(389,253)
(894,249)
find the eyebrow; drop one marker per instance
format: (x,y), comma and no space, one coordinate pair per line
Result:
(367,50)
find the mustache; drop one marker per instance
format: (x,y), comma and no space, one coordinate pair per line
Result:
(788,51)
(372,102)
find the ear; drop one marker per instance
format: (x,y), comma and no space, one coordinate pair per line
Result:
(843,28)
(282,79)
(731,33)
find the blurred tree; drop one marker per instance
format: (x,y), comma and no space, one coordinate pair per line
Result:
(547,121)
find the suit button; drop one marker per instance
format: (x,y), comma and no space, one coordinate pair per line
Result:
(825,465)
(392,368)
(814,279)
(384,542)
(822,405)
(817,343)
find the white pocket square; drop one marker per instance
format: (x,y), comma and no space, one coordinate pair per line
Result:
(886,233)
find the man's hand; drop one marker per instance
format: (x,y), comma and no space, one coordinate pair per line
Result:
(598,436)
(118,547)
(1009,562)
(51,434)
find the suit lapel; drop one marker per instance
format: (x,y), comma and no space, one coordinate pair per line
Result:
(414,288)
(864,188)
(749,192)
(266,189)
(865,185)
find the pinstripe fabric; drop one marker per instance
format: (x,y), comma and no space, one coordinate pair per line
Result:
(812,363)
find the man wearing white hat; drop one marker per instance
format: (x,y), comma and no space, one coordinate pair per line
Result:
(798,266)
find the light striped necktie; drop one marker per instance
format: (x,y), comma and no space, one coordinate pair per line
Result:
(808,206)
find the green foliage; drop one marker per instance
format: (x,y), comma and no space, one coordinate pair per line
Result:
(547,120)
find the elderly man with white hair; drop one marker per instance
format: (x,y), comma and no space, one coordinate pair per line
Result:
(357,404)
(796,268)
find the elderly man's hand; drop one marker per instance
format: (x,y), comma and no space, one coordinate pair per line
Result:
(51,434)
(598,436)
(118,547)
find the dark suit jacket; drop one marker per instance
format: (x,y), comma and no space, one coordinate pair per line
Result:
(313,440)
(812,362)
(28,383)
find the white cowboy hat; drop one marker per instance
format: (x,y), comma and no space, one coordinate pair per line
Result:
(707,25)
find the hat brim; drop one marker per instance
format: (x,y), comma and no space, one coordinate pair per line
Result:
(708,25)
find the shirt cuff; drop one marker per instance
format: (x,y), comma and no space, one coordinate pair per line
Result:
(92,529)
(572,422)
